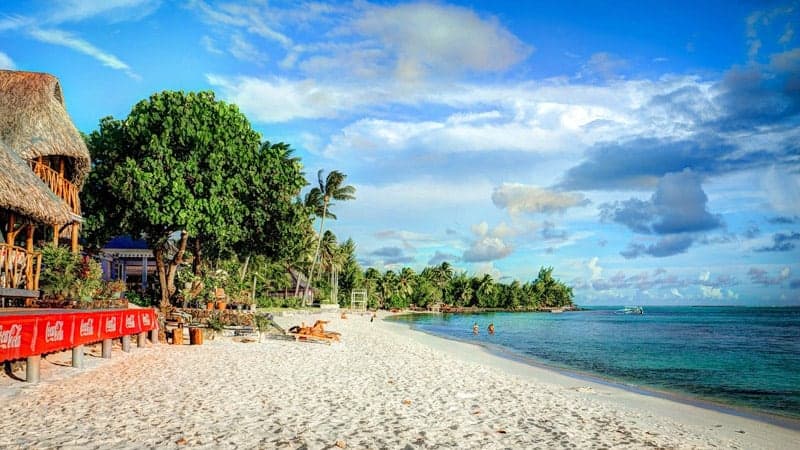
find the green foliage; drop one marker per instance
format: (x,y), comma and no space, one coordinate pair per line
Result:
(69,275)
(442,284)
(187,162)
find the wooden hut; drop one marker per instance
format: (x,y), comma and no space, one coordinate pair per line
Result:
(43,164)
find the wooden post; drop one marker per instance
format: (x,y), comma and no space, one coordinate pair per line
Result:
(29,276)
(177,336)
(195,336)
(77,357)
(55,234)
(10,232)
(106,353)
(126,343)
(141,339)
(154,336)
(32,368)
(74,241)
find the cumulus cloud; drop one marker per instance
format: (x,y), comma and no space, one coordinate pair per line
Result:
(421,38)
(488,245)
(594,267)
(6,62)
(518,198)
(676,209)
(711,292)
(487,248)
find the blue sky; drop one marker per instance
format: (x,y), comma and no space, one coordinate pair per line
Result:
(649,151)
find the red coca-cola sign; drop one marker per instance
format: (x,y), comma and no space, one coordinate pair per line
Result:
(23,334)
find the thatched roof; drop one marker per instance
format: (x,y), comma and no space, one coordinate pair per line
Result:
(26,194)
(34,121)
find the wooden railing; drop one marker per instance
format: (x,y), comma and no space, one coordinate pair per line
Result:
(19,268)
(62,187)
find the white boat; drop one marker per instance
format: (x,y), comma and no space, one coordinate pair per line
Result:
(630,310)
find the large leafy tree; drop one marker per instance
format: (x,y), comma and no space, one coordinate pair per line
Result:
(185,165)
(319,199)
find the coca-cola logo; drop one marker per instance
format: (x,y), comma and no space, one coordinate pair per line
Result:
(87,327)
(11,337)
(130,321)
(146,320)
(54,332)
(111,324)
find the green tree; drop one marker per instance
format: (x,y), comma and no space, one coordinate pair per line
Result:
(331,188)
(351,276)
(185,165)
(551,292)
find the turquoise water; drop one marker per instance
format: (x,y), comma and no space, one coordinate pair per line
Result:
(743,357)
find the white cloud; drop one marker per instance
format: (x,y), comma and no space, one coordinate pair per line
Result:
(518,198)
(490,244)
(281,100)
(594,267)
(114,10)
(676,292)
(210,45)
(6,62)
(488,268)
(704,276)
(783,189)
(423,38)
(59,37)
(711,292)
(243,50)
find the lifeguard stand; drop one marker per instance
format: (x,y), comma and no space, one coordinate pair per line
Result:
(358,300)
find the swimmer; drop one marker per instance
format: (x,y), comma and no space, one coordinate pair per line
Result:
(491,328)
(475,328)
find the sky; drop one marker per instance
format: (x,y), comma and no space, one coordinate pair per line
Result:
(648,151)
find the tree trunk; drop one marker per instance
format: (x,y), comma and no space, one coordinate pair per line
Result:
(175,262)
(198,255)
(316,253)
(162,276)
(243,270)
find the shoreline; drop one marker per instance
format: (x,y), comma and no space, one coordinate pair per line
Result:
(383,386)
(786,422)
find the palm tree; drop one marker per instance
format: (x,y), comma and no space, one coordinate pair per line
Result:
(442,274)
(405,282)
(331,188)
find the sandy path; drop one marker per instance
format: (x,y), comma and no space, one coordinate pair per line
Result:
(383,386)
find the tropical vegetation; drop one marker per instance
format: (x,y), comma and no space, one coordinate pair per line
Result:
(222,209)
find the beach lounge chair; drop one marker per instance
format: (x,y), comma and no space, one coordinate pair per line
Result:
(297,333)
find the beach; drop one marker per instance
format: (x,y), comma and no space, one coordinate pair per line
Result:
(383,386)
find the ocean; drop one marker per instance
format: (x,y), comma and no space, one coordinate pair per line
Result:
(745,358)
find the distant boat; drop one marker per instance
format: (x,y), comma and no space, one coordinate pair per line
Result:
(630,310)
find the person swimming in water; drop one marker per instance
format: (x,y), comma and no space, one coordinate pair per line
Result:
(491,328)
(475,328)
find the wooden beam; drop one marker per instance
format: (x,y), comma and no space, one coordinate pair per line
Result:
(74,242)
(10,234)
(30,278)
(55,234)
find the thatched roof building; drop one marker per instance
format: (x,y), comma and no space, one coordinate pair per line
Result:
(26,194)
(34,121)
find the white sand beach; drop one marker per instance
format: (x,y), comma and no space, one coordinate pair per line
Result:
(383,386)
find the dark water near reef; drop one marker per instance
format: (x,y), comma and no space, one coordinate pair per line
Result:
(742,357)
